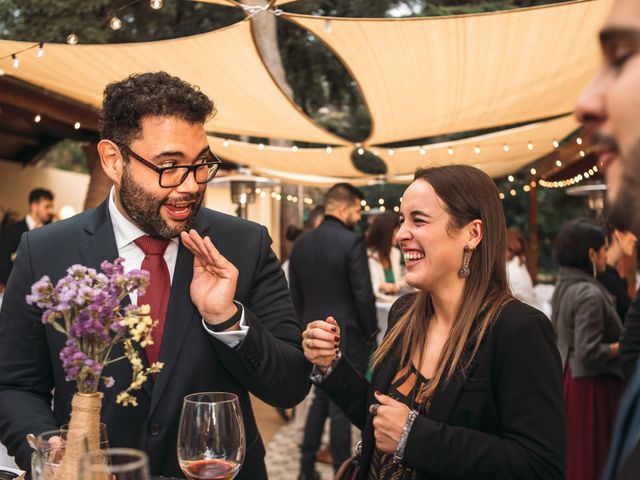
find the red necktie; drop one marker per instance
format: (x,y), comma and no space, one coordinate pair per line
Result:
(157,292)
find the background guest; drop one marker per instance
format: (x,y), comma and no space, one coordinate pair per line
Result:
(588,329)
(40,213)
(517,271)
(384,259)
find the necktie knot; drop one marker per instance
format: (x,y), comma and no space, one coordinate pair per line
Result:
(151,245)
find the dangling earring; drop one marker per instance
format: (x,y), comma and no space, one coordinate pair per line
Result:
(466,258)
(595,271)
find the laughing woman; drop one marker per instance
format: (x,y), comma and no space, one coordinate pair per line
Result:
(467,383)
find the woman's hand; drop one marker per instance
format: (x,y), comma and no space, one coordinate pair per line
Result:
(320,342)
(389,419)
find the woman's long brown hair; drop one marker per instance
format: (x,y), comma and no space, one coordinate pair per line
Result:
(468,194)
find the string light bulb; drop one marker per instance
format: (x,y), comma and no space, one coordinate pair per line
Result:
(329,149)
(37,118)
(40,52)
(476,149)
(15,61)
(501,195)
(533,171)
(555,144)
(579,141)
(422,151)
(381,201)
(1,72)
(76,125)
(294,148)
(327,26)
(225,143)
(360,151)
(505,147)
(582,154)
(155,4)
(261,146)
(382,208)
(513,192)
(558,163)
(530,146)
(72,39)
(115,23)
(511,178)
(390,152)
(450,151)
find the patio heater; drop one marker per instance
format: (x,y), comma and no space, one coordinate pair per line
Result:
(243,189)
(595,193)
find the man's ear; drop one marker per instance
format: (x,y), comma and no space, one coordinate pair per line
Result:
(111,160)
(475,231)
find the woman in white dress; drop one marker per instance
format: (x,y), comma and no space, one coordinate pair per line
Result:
(384,259)
(517,272)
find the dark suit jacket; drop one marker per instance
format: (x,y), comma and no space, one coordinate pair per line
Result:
(630,339)
(505,420)
(329,275)
(269,362)
(618,287)
(9,241)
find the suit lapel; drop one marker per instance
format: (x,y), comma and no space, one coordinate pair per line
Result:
(181,314)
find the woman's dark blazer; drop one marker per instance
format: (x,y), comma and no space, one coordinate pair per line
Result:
(505,420)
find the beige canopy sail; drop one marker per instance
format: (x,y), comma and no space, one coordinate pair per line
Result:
(496,153)
(224,63)
(427,76)
(332,161)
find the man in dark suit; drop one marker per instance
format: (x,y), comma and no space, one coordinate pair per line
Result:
(229,324)
(40,213)
(609,107)
(329,275)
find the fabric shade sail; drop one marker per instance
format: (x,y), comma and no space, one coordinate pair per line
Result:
(224,63)
(422,77)
(332,162)
(497,154)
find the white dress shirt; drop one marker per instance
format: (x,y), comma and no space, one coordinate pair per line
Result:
(126,233)
(31,223)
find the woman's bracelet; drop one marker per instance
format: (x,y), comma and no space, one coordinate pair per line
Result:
(317,376)
(399,453)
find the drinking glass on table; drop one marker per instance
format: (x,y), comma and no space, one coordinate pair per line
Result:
(114,464)
(49,448)
(211,442)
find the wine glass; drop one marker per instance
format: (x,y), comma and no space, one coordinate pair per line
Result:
(211,442)
(49,448)
(114,464)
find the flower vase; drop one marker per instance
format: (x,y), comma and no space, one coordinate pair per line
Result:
(83,435)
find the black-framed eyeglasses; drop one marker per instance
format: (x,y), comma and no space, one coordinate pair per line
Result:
(169,177)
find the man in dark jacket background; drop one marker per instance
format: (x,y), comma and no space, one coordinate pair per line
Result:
(329,275)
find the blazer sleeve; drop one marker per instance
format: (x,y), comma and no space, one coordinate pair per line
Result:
(630,339)
(26,376)
(529,394)
(269,362)
(8,244)
(589,316)
(360,281)
(296,294)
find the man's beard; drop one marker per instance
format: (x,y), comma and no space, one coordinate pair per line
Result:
(624,210)
(143,208)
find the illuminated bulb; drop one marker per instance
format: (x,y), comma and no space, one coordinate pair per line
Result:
(390,152)
(327,27)
(225,143)
(533,171)
(289,197)
(579,141)
(278,197)
(422,151)
(555,144)
(360,151)
(294,148)
(258,190)
(505,147)
(381,201)
(586,175)
(15,62)
(510,178)
(513,192)
(582,154)
(263,194)
(76,125)
(115,23)
(595,168)
(526,188)
(450,151)
(396,209)
(274,194)
(37,118)
(533,184)
(261,146)
(367,208)
(382,209)
(155,4)
(501,196)
(558,163)
(72,39)
(530,146)
(363,203)
(40,52)
(477,150)
(1,72)
(295,199)
(400,199)
(329,149)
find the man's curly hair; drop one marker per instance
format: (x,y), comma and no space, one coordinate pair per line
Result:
(138,96)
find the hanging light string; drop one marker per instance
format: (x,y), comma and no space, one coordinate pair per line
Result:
(111,18)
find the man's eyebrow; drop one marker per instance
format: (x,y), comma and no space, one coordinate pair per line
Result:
(610,35)
(170,154)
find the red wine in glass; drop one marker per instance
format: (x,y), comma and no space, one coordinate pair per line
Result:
(210,469)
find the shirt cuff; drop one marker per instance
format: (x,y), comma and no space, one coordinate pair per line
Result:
(317,377)
(231,339)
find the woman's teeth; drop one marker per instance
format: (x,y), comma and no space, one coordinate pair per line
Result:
(413,255)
